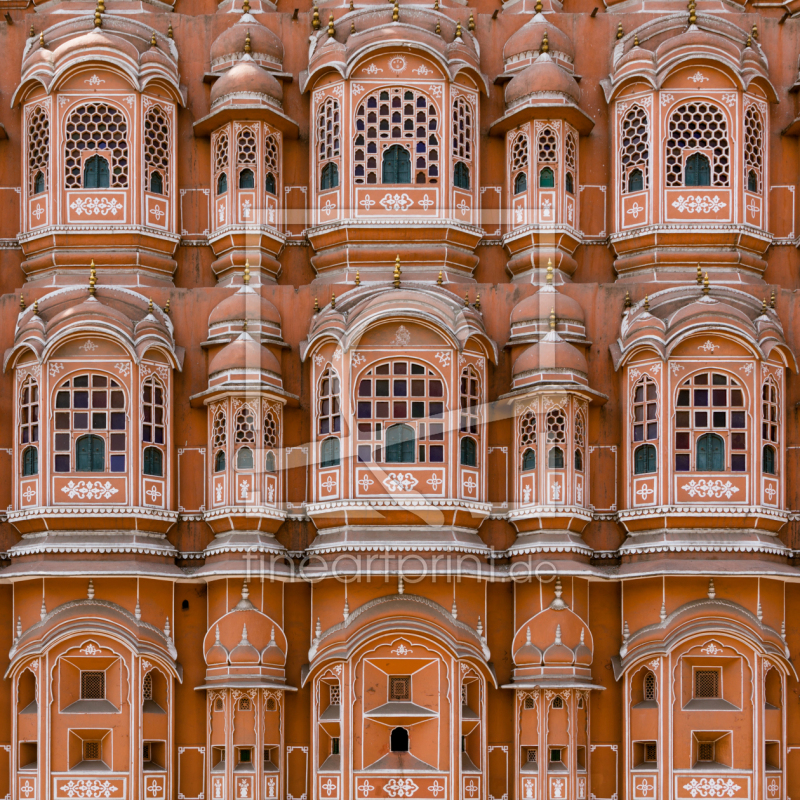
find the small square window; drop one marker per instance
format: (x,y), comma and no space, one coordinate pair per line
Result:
(706,683)
(399,687)
(93,685)
(705,751)
(91,751)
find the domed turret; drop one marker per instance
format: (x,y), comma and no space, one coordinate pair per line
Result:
(247,82)
(217,654)
(543,77)
(524,46)
(244,652)
(247,36)
(245,305)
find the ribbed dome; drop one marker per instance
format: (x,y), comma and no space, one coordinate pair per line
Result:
(552,353)
(246,304)
(247,78)
(217,654)
(544,75)
(272,655)
(529,655)
(244,354)
(263,42)
(707,309)
(583,655)
(528,39)
(558,652)
(538,306)
(244,652)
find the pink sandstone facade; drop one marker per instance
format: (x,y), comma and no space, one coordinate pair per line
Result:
(399,400)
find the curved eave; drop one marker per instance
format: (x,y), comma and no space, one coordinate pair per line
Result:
(246,684)
(567,387)
(553,682)
(574,115)
(247,113)
(276,393)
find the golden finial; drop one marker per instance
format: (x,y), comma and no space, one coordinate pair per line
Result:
(166,307)
(396,274)
(21,303)
(754,31)
(352,6)
(32,33)
(101,6)
(749,42)
(692,14)
(699,275)
(772,299)
(635,40)
(478,302)
(435,5)
(244,325)
(627,304)
(466,299)
(331,29)
(549,274)
(150,306)
(440,279)
(315,23)
(41,39)
(153,40)
(92,279)
(395,12)
(706,287)
(545,48)
(352,27)
(333,300)
(458,29)
(248,45)
(552,319)
(35,308)
(98,19)
(316,306)
(170,32)
(538,7)
(646,303)
(764,307)
(620,32)
(246,6)
(471,23)
(438,28)
(358,279)
(246,277)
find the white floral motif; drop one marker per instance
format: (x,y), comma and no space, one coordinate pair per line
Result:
(712,787)
(94,81)
(372,69)
(546,206)
(435,482)
(402,650)
(328,207)
(422,70)
(28,788)
(367,202)
(329,484)
(399,482)
(555,491)
(397,64)
(529,789)
(713,488)
(124,368)
(29,493)
(400,787)
(38,211)
(318,359)
(436,788)
(698,203)
(88,788)
(667,98)
(365,482)
(752,207)
(158,212)
(55,368)
(356,359)
(635,210)
(356,88)
(246,208)
(89,347)
(644,491)
(337,354)
(698,77)
(557,787)
(709,346)
(244,788)
(397,202)
(643,789)
(426,202)
(729,99)
(89,490)
(463,207)
(365,788)
(402,338)
(436,89)
(711,649)
(675,367)
(96,205)
(91,650)
(329,788)
(444,358)
(656,369)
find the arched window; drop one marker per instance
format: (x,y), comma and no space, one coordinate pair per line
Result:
(96,126)
(391,115)
(697,171)
(90,454)
(579,460)
(400,391)
(218,704)
(219,144)
(558,702)
(580,439)
(157,136)
(644,459)
(247,179)
(461,175)
(219,439)
(222,183)
(329,177)
(400,441)
(470,400)
(396,165)
(96,174)
(95,403)
(635,180)
(30,461)
(156,183)
(701,128)
(527,439)
(244,458)
(754,134)
(328,142)
(519,163)
(547,178)
(469,452)
(556,435)
(153,462)
(398,742)
(271,163)
(634,150)
(569,183)
(270,440)
(29,412)
(462,131)
(329,453)
(555,458)
(153,412)
(649,687)
(644,410)
(38,149)
(570,162)
(269,462)
(769,412)
(710,402)
(244,704)
(270,184)
(768,464)
(710,453)
(329,418)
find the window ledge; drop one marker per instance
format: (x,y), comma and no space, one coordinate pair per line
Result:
(716,704)
(91,707)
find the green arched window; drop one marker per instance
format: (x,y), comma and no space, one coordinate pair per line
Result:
(752,181)
(400,444)
(329,178)
(222,183)
(529,460)
(30,461)
(271,183)
(219,461)
(547,178)
(329,452)
(96,174)
(269,462)
(461,175)
(767,460)
(153,462)
(569,183)
(244,458)
(396,165)
(520,183)
(247,179)
(555,458)
(469,452)
(697,170)
(90,454)
(635,180)
(710,453)
(644,459)
(38,182)
(156,183)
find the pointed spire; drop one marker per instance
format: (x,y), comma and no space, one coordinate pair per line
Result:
(170,32)
(479,627)
(635,40)
(167,629)
(706,286)
(401,588)
(245,640)
(545,46)
(19,627)
(760,612)
(272,635)
(150,306)
(692,13)
(558,634)
(318,629)
(396,274)
(538,7)
(245,591)
(248,44)
(435,5)
(440,279)
(333,300)
(620,31)
(166,307)
(315,23)
(699,275)
(466,299)
(246,277)
(346,610)
(41,39)
(352,26)
(528,635)
(438,28)
(396,11)
(137,612)
(35,308)
(331,28)
(663,614)
(749,42)
(90,590)
(31,33)
(558,603)
(754,31)
(764,307)
(549,273)
(246,7)
(92,279)
(471,22)
(352,6)
(583,636)
(783,630)
(712,592)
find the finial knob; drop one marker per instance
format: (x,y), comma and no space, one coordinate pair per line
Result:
(246,277)
(458,29)
(620,31)
(545,48)
(92,279)
(706,287)
(552,319)
(549,275)
(471,22)
(396,274)
(331,28)
(440,279)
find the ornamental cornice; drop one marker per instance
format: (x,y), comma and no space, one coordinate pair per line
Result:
(700,228)
(447,504)
(110,229)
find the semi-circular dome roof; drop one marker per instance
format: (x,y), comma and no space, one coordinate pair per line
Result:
(264,44)
(247,79)
(246,304)
(528,39)
(544,76)
(539,305)
(552,353)
(244,354)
